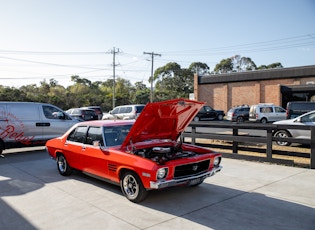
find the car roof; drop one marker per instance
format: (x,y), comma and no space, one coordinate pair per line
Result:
(105,122)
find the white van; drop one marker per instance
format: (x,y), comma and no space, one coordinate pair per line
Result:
(31,124)
(124,112)
(266,112)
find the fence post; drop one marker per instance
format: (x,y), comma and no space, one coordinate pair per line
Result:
(312,157)
(269,144)
(193,132)
(235,143)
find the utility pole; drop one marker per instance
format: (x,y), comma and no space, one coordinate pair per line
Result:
(152,60)
(114,51)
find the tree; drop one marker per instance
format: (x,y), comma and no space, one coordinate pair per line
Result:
(242,64)
(225,66)
(199,68)
(141,94)
(173,82)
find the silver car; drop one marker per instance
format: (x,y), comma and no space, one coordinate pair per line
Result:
(306,119)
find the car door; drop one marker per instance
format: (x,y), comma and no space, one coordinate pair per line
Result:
(93,159)
(55,122)
(279,113)
(306,120)
(73,147)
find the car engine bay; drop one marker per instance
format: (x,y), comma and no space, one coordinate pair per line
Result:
(161,155)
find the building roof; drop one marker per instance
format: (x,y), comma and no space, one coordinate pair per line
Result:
(256,75)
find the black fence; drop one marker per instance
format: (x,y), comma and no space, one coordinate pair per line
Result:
(232,135)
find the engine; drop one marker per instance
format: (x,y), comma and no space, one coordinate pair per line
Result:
(163,154)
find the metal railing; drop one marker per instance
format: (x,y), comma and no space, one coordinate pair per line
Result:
(237,138)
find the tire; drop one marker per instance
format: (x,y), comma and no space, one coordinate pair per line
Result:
(263,120)
(196,119)
(132,188)
(63,166)
(220,117)
(239,119)
(282,133)
(1,147)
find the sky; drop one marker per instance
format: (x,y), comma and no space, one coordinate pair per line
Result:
(56,39)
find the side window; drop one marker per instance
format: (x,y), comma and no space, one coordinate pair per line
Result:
(123,110)
(279,110)
(208,108)
(52,112)
(115,111)
(94,135)
(78,135)
(128,110)
(266,109)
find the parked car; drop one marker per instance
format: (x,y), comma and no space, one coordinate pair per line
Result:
(208,113)
(31,124)
(97,109)
(238,113)
(307,119)
(266,112)
(151,156)
(297,108)
(124,112)
(82,114)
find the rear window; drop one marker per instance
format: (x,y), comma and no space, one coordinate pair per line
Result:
(301,106)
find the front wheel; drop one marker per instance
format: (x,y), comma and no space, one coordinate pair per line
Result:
(282,133)
(220,117)
(63,166)
(196,119)
(132,188)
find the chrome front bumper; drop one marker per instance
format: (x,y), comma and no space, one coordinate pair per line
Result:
(183,181)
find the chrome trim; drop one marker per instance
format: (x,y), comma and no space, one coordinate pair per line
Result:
(181,181)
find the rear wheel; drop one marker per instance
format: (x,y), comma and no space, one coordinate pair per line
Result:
(63,166)
(239,119)
(1,147)
(132,187)
(220,117)
(196,119)
(263,120)
(282,133)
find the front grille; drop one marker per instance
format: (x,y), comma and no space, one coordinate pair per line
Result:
(191,169)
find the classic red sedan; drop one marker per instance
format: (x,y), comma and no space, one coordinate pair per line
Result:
(139,155)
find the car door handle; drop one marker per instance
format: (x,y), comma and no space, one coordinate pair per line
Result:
(42,124)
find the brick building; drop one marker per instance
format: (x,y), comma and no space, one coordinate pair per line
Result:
(278,86)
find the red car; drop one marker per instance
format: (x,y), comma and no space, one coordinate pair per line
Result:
(139,155)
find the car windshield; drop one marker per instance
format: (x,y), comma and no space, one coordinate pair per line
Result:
(115,135)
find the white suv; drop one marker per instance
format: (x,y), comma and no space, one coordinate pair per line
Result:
(265,112)
(124,112)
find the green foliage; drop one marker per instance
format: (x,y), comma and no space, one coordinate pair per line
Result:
(225,66)
(170,81)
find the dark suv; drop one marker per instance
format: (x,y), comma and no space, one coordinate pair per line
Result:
(208,113)
(238,113)
(83,114)
(97,109)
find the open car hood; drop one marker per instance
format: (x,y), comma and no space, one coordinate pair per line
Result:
(163,120)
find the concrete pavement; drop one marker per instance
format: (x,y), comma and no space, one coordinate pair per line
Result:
(244,195)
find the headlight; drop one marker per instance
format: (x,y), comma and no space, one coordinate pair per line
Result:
(216,161)
(161,173)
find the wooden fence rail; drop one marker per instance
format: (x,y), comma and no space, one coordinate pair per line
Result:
(237,138)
